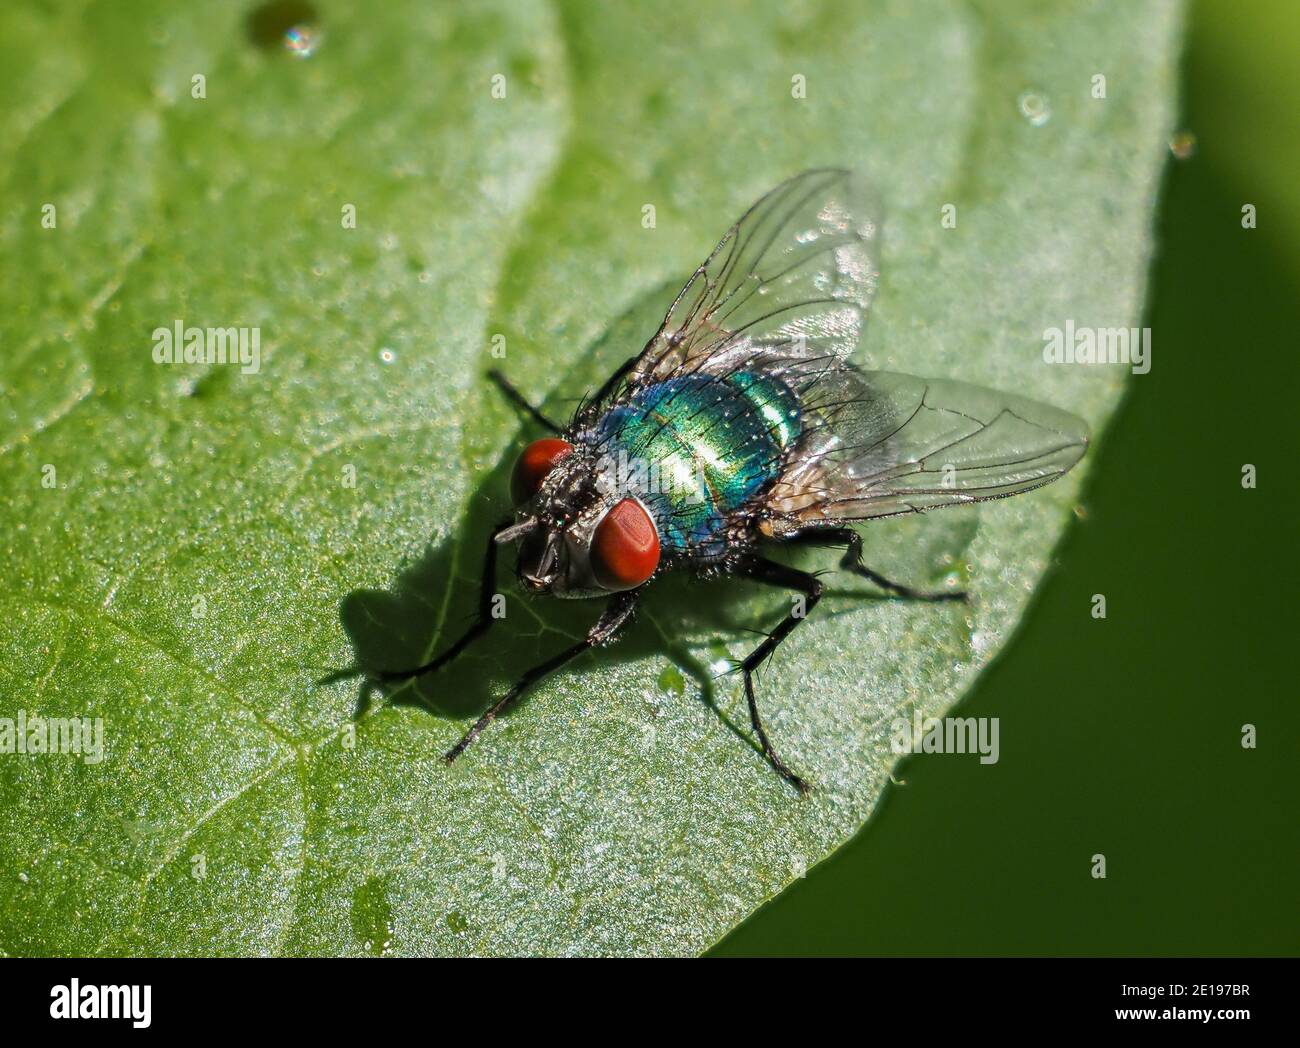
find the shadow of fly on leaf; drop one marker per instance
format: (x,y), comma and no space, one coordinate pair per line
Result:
(740,430)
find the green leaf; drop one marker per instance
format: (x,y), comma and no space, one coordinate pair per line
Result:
(184,558)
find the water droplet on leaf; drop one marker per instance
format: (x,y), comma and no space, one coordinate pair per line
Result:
(1035,107)
(1183,145)
(301,41)
(285,25)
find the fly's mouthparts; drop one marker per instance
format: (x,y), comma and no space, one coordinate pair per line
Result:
(517,530)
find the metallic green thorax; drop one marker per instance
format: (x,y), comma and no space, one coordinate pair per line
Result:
(697,448)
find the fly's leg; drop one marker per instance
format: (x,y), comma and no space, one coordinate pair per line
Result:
(852,543)
(521,402)
(607,387)
(482,623)
(775,574)
(616,615)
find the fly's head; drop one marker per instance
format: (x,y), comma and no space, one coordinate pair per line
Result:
(578,536)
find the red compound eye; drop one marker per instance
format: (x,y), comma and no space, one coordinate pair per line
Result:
(625,547)
(534,462)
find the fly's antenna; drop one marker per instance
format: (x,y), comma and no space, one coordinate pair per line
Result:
(516,530)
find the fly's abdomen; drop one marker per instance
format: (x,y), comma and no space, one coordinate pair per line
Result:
(698,448)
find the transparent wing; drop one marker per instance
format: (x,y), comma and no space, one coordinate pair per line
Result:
(793,278)
(879,444)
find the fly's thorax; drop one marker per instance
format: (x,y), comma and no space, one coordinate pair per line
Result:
(699,450)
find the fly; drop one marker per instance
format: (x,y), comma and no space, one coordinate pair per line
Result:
(742,425)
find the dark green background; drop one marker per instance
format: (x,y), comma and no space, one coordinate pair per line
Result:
(1123,736)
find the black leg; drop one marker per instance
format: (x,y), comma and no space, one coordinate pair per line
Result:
(521,402)
(607,387)
(487,590)
(775,574)
(852,543)
(616,614)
